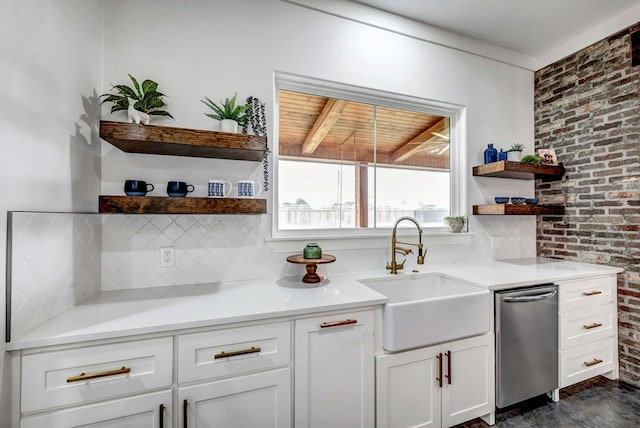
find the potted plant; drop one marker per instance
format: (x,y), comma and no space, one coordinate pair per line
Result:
(515,152)
(455,223)
(530,159)
(228,113)
(141,101)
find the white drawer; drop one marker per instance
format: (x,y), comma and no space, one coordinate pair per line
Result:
(52,379)
(225,352)
(578,328)
(587,293)
(587,361)
(137,411)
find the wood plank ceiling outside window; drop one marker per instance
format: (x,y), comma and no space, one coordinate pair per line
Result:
(317,128)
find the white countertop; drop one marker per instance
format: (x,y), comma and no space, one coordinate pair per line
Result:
(118,314)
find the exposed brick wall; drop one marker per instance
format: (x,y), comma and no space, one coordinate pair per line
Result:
(587,108)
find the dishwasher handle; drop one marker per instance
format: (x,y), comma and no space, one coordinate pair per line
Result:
(534,298)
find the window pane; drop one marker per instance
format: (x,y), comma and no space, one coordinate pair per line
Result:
(346,164)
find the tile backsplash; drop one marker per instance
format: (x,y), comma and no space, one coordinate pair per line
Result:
(55,263)
(58,259)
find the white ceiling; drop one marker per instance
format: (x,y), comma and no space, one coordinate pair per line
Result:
(532,27)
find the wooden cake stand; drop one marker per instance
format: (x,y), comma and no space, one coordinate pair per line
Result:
(312,265)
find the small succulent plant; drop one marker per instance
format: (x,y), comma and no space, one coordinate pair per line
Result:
(228,109)
(516,147)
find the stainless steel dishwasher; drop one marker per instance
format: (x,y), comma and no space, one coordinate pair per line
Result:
(526,343)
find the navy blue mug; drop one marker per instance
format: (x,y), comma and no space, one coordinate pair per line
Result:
(178,188)
(137,187)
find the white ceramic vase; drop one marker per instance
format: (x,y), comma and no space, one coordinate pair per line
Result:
(514,156)
(229,125)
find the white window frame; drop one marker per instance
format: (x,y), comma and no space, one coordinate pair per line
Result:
(377,238)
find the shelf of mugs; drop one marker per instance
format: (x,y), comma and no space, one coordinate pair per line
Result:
(164,140)
(519,170)
(116,204)
(518,209)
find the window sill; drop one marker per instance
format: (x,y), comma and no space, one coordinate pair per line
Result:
(289,244)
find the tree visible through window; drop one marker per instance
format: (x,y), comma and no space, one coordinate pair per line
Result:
(349,165)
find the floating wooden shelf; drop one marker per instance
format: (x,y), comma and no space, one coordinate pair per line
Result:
(519,170)
(517,209)
(186,205)
(164,140)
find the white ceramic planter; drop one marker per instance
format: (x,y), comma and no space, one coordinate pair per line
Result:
(229,125)
(514,156)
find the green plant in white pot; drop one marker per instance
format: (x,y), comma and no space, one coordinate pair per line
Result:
(228,113)
(515,152)
(455,223)
(140,102)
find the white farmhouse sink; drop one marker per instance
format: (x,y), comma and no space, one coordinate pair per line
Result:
(426,309)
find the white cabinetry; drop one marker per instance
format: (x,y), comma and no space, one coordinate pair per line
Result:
(75,377)
(255,400)
(140,411)
(438,386)
(334,371)
(246,399)
(588,329)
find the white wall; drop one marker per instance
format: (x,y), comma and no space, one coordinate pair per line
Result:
(50,57)
(215,48)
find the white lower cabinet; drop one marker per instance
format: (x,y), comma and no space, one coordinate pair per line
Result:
(588,329)
(334,371)
(142,411)
(438,386)
(255,400)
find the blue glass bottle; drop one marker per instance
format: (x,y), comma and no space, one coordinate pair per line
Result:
(490,154)
(502,155)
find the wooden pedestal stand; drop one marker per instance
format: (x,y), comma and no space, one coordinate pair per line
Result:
(312,265)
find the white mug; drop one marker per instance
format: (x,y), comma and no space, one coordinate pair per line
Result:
(247,189)
(219,188)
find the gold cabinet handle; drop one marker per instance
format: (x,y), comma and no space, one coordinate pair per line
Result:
(161,411)
(85,376)
(252,350)
(185,409)
(591,293)
(448,375)
(592,363)
(439,378)
(594,325)
(337,323)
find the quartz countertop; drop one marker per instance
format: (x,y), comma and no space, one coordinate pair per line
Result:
(125,313)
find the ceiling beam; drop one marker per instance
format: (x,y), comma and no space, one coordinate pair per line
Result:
(418,144)
(330,114)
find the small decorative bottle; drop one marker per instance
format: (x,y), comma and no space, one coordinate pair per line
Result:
(490,154)
(502,155)
(312,251)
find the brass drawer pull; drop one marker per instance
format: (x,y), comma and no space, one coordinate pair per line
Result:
(337,323)
(592,293)
(84,376)
(592,363)
(594,325)
(252,350)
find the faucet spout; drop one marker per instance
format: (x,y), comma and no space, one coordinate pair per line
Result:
(394,266)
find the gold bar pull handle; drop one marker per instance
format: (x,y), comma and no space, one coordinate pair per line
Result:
(337,323)
(448,375)
(439,378)
(591,293)
(252,350)
(590,326)
(85,376)
(592,363)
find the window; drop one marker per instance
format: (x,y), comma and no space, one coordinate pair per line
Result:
(348,164)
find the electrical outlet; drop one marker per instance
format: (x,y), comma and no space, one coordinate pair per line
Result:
(167,256)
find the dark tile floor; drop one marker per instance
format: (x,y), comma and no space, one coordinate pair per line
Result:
(595,403)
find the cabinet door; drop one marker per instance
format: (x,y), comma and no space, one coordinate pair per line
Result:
(407,391)
(143,411)
(256,400)
(468,385)
(334,371)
